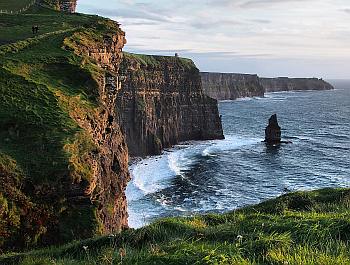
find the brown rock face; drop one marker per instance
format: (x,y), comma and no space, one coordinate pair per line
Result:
(68,5)
(161,103)
(292,84)
(273,131)
(106,190)
(229,86)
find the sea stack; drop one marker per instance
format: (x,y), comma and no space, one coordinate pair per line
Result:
(273,131)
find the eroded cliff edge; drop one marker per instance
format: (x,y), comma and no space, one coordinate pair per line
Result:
(162,103)
(68,6)
(230,86)
(63,156)
(293,84)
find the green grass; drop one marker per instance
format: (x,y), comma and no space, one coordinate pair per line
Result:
(298,228)
(157,60)
(14,5)
(45,87)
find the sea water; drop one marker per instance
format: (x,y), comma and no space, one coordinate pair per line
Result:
(219,176)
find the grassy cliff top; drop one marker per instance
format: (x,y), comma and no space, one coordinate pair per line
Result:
(42,81)
(45,88)
(298,228)
(158,60)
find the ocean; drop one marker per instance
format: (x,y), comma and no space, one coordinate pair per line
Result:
(223,175)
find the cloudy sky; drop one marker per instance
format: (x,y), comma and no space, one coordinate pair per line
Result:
(268,37)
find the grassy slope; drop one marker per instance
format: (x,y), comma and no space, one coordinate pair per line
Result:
(14,5)
(42,82)
(299,228)
(156,60)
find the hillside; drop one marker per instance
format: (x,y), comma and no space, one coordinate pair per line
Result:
(15,5)
(54,117)
(298,228)
(70,100)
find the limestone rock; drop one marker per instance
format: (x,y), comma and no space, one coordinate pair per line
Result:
(273,131)
(294,84)
(162,103)
(230,86)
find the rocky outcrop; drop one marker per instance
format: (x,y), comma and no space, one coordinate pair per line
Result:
(106,188)
(273,131)
(229,86)
(161,103)
(63,155)
(68,6)
(293,84)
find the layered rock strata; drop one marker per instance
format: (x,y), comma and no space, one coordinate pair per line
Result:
(68,6)
(63,165)
(162,103)
(273,131)
(106,190)
(229,86)
(294,84)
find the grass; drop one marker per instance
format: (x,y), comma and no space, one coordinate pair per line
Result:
(156,60)
(14,5)
(45,88)
(298,228)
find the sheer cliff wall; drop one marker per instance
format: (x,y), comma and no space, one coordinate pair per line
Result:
(293,84)
(162,103)
(63,155)
(229,86)
(68,6)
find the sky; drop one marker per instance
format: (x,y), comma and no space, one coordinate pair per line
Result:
(296,38)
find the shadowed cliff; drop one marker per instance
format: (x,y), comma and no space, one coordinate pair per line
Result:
(230,86)
(227,86)
(162,103)
(63,156)
(294,84)
(63,153)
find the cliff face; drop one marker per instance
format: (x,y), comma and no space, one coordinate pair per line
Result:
(290,84)
(162,103)
(68,6)
(63,155)
(106,189)
(229,86)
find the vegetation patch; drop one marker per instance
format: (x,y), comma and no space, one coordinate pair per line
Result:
(316,234)
(154,61)
(48,95)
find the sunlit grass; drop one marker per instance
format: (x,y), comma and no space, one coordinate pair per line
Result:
(267,233)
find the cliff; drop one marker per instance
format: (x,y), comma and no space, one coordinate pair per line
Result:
(70,105)
(310,227)
(68,6)
(63,156)
(229,86)
(292,84)
(161,103)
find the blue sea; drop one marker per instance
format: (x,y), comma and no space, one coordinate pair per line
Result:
(219,176)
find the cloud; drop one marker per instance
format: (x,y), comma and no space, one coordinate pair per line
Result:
(234,30)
